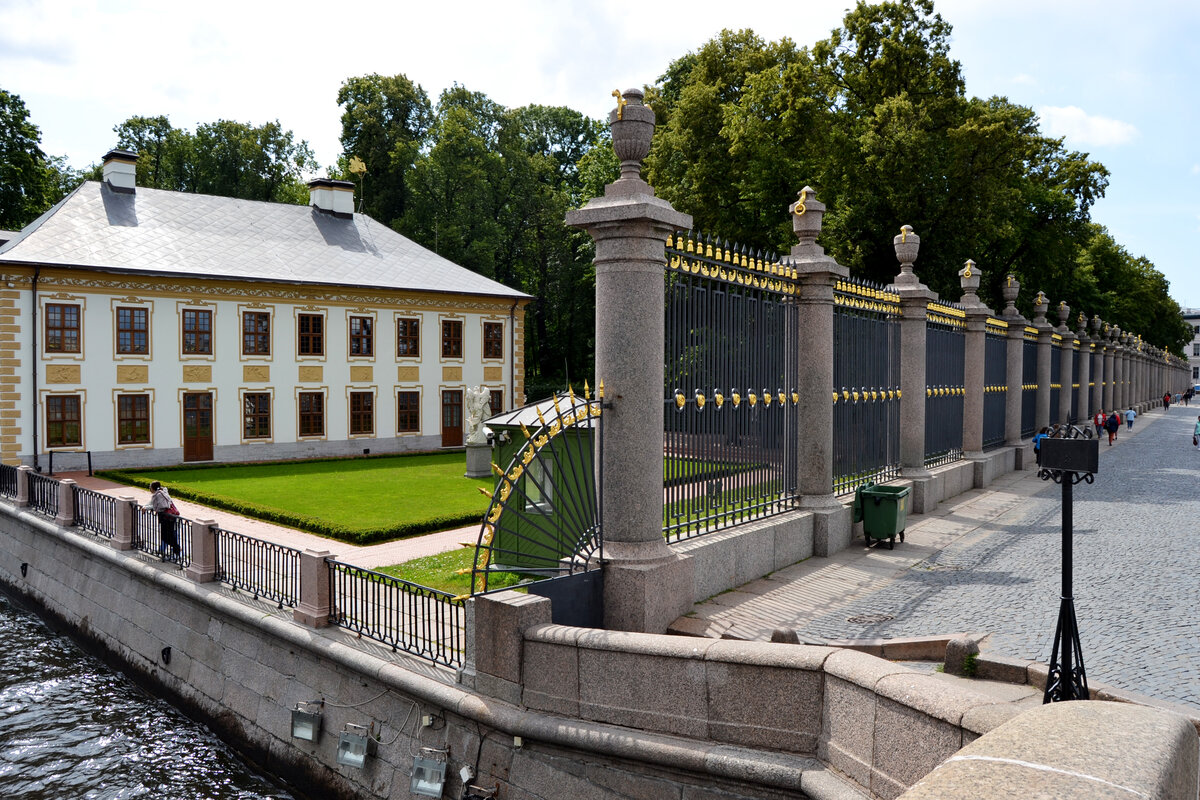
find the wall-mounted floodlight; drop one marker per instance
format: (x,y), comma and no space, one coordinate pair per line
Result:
(353,745)
(306,720)
(429,773)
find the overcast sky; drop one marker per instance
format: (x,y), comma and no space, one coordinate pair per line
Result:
(1118,80)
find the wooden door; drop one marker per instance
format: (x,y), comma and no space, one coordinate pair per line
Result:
(197,427)
(452,418)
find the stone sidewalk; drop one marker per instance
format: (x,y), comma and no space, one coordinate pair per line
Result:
(369,557)
(990,562)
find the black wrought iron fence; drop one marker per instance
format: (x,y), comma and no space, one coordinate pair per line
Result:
(730,406)
(264,569)
(95,512)
(425,622)
(8,480)
(147,536)
(995,382)
(945,348)
(1029,383)
(1056,379)
(43,494)
(866,385)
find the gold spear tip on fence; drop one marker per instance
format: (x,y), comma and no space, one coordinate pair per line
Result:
(600,390)
(485,492)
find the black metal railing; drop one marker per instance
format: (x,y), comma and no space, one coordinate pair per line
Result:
(730,405)
(945,349)
(1029,384)
(866,385)
(147,536)
(995,382)
(8,480)
(43,494)
(425,622)
(264,569)
(95,512)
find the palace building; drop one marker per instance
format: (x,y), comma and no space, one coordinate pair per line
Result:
(149,327)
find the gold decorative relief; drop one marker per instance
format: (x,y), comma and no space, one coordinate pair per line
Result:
(362,374)
(133,373)
(493,373)
(408,374)
(256,374)
(451,374)
(197,373)
(312,374)
(62,373)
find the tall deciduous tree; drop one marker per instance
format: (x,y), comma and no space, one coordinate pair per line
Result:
(385,123)
(24,179)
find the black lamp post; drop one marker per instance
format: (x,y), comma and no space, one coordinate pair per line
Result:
(1069,456)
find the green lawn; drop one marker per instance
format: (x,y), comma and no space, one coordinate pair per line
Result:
(441,572)
(359,500)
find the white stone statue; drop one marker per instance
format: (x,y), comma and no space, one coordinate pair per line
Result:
(479,408)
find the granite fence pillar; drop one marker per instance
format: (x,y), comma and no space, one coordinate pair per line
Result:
(316,590)
(816,274)
(123,522)
(1067,366)
(975,357)
(1118,370)
(1099,375)
(646,585)
(66,502)
(22,498)
(1045,340)
(1085,372)
(1015,366)
(1109,351)
(203,563)
(914,305)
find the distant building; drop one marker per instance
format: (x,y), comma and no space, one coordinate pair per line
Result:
(1192,317)
(152,327)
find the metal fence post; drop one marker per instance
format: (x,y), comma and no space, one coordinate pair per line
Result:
(22,498)
(202,567)
(816,275)
(66,503)
(316,591)
(646,585)
(974,360)
(123,523)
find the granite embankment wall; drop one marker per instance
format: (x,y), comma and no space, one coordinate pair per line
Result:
(546,711)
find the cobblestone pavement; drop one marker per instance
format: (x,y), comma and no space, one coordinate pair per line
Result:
(1137,582)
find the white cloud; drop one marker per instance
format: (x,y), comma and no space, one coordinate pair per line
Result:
(1083,129)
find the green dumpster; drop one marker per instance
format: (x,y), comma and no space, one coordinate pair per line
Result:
(883,511)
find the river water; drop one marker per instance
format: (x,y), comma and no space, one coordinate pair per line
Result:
(73,729)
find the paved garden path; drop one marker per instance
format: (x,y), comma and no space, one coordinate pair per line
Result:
(990,562)
(370,557)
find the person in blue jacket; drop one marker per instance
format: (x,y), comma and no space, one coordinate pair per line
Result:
(1037,444)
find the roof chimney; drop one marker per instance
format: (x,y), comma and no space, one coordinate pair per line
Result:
(336,197)
(120,170)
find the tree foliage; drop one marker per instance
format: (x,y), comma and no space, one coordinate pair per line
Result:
(30,181)
(876,117)
(225,158)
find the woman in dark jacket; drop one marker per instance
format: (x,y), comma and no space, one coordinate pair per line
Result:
(1112,425)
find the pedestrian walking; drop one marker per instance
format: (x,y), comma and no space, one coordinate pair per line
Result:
(1166,401)
(1037,444)
(162,505)
(1196,434)
(1112,425)
(1098,420)
(1130,415)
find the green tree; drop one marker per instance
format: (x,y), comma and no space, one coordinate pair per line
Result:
(25,186)
(385,123)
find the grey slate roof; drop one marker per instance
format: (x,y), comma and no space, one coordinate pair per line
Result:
(177,233)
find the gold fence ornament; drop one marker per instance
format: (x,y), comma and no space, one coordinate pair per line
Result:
(700,400)
(753,398)
(718,398)
(737,399)
(800,206)
(621,103)
(679,399)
